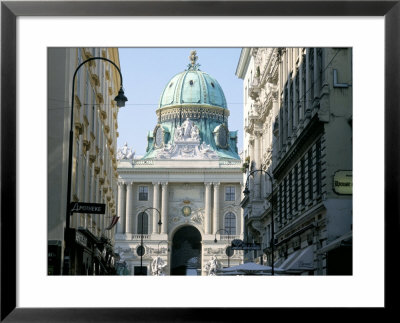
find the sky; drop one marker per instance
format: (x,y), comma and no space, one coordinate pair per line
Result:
(146,72)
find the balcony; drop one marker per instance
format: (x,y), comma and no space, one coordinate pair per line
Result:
(255,88)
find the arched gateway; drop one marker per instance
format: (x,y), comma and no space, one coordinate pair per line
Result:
(186,252)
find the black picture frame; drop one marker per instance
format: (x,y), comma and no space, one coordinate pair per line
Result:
(10,10)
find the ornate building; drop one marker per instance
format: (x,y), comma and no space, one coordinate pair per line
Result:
(185,192)
(298,131)
(94,165)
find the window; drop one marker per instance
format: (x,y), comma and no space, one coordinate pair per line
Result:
(303,178)
(143,217)
(230,223)
(143,193)
(296,188)
(77,167)
(229,193)
(290,194)
(310,175)
(318,167)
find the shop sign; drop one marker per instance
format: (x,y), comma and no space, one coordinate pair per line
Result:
(343,182)
(92,208)
(246,246)
(81,239)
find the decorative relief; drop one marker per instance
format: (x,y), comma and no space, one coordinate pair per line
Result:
(221,136)
(187,144)
(125,153)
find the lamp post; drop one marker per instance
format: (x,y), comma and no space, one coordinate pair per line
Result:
(120,99)
(215,240)
(141,236)
(247,192)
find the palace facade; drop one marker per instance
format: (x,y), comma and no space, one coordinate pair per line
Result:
(179,205)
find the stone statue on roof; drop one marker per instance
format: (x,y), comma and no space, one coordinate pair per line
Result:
(125,152)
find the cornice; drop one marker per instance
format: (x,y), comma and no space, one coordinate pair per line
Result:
(243,64)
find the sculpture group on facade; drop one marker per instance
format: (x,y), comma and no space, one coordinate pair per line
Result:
(187,144)
(212,266)
(157,266)
(125,152)
(188,131)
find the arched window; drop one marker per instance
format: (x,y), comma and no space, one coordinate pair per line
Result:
(145,217)
(230,223)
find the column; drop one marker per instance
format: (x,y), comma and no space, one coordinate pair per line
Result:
(216,208)
(129,208)
(289,107)
(92,196)
(207,206)
(284,121)
(295,103)
(121,207)
(252,159)
(156,205)
(257,159)
(308,97)
(301,92)
(164,207)
(316,76)
(86,197)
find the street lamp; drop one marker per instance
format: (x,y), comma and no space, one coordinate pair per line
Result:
(247,192)
(141,236)
(120,99)
(229,248)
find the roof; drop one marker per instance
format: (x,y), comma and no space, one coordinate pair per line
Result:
(192,86)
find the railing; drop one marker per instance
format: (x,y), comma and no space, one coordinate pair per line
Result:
(227,163)
(143,162)
(229,237)
(139,236)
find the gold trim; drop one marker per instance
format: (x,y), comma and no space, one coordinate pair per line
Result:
(103,114)
(100,98)
(86,144)
(85,119)
(78,128)
(95,79)
(78,103)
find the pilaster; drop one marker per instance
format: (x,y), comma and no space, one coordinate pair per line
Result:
(164,207)
(216,207)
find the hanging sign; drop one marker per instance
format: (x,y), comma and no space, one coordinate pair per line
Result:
(343,182)
(238,244)
(92,208)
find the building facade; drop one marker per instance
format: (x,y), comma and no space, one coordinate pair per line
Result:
(179,205)
(298,132)
(94,167)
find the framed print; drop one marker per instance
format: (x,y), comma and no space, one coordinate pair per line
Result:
(199,22)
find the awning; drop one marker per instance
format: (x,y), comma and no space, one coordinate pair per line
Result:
(344,240)
(299,261)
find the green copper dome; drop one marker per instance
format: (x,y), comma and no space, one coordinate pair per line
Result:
(192,86)
(192,119)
